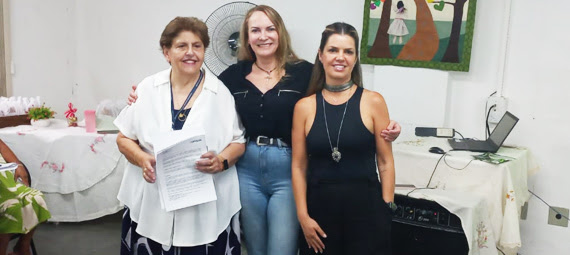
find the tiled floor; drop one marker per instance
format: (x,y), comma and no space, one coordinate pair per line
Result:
(96,237)
(100,236)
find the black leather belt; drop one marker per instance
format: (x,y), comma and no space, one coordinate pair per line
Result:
(267,141)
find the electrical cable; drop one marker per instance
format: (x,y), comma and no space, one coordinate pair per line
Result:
(458,134)
(415,190)
(445,161)
(486,104)
(433,172)
(488,133)
(500,250)
(558,214)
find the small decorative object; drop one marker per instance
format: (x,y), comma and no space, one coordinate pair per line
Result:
(39,116)
(70,115)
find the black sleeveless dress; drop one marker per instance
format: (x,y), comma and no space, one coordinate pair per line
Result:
(345,197)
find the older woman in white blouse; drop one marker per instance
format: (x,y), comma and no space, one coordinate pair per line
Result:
(184,96)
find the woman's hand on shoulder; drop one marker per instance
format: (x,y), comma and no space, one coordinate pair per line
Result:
(132,95)
(313,234)
(22,175)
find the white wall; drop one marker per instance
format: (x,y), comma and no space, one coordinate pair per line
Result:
(86,51)
(43,43)
(537,86)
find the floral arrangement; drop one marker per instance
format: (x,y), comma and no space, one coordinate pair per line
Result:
(39,113)
(70,115)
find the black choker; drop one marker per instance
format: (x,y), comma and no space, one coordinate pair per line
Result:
(339,88)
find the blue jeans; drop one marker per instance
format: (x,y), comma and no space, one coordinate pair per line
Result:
(268,213)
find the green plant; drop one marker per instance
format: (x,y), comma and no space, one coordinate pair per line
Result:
(38,113)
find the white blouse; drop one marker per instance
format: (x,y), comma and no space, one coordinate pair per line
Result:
(214,112)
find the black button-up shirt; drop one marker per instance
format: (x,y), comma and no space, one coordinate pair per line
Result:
(269,114)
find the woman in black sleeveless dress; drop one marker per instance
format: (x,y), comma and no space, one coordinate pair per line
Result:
(341,205)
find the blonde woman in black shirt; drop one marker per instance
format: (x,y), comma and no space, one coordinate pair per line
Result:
(266,83)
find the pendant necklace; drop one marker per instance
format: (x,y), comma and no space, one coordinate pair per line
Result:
(336,155)
(182,114)
(268,72)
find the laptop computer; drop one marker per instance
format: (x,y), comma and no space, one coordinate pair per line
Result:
(492,144)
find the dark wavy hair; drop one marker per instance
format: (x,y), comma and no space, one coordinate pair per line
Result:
(181,24)
(318,76)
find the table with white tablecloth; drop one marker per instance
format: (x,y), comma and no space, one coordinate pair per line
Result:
(79,173)
(502,187)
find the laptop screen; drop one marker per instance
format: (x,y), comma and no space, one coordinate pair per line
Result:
(503,128)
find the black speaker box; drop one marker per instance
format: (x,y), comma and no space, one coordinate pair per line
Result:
(422,227)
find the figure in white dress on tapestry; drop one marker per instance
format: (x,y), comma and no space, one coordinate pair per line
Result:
(398,27)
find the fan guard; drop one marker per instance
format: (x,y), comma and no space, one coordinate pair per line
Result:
(223,28)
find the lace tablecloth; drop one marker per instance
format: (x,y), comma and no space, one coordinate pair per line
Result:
(502,187)
(79,173)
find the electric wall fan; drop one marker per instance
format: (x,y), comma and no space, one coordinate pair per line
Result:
(223,28)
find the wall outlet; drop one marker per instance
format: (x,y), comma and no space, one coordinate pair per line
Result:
(524,211)
(498,111)
(552,220)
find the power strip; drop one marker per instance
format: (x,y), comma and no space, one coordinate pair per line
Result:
(437,132)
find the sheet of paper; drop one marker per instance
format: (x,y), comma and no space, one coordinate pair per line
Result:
(8,167)
(180,184)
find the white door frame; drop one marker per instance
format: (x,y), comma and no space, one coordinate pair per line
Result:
(5,56)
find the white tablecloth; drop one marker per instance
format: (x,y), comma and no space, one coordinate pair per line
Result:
(79,173)
(503,187)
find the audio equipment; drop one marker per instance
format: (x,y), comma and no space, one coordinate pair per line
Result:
(424,227)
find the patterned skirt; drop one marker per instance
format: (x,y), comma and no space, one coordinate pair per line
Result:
(21,208)
(134,244)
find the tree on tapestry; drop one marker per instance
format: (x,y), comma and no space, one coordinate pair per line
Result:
(418,33)
(452,52)
(381,48)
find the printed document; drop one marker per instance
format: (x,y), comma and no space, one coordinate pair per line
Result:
(180,184)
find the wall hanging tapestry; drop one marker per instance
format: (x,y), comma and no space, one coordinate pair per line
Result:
(433,34)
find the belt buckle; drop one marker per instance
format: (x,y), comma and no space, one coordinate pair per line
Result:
(259,143)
